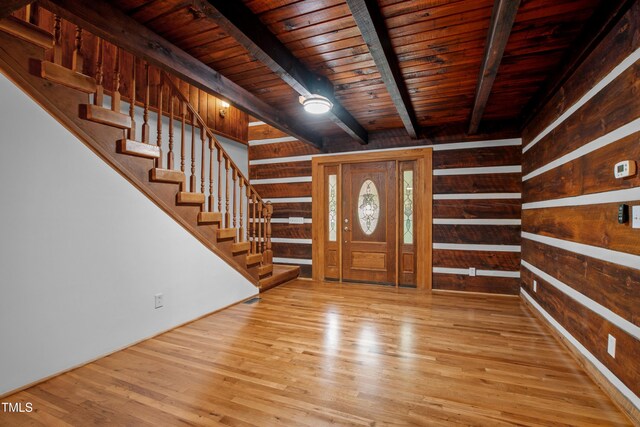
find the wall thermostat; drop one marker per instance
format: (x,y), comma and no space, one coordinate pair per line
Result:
(624,169)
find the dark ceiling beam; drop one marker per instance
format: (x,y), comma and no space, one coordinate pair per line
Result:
(596,28)
(239,22)
(102,19)
(7,7)
(374,31)
(502,19)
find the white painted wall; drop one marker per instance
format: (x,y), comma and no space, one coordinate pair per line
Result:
(82,253)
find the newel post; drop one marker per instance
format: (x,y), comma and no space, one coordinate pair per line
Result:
(267,256)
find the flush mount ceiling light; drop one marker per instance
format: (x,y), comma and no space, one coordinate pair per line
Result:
(316,104)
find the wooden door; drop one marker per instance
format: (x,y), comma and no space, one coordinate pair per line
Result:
(369,222)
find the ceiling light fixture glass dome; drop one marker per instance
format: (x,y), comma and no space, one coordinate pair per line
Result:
(316,104)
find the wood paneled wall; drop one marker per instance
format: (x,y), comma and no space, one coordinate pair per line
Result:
(585,264)
(476,207)
(280,170)
(476,217)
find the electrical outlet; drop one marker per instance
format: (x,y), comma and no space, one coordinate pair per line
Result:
(472,271)
(611,346)
(535,286)
(159,298)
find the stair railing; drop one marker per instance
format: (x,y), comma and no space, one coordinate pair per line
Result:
(237,191)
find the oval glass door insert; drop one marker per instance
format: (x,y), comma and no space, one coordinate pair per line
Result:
(368,207)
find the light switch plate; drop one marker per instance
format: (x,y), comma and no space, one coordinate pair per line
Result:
(535,286)
(296,220)
(635,217)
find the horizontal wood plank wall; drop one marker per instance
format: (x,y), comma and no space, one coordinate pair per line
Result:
(287,184)
(586,265)
(477,207)
(475,211)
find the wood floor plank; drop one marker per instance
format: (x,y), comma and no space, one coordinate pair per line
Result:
(312,354)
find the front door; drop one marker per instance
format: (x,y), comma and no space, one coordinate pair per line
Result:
(369,222)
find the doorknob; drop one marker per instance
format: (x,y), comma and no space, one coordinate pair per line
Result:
(346,229)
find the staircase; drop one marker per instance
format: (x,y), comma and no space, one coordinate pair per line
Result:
(147,126)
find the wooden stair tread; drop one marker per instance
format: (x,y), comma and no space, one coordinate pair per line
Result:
(281,274)
(254,259)
(27,31)
(66,77)
(209,217)
(105,116)
(240,247)
(138,149)
(187,198)
(226,233)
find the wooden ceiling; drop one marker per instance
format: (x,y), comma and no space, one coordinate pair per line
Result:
(437,45)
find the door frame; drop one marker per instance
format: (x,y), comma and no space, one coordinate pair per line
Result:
(423,250)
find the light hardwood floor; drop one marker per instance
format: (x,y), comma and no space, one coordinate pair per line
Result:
(316,354)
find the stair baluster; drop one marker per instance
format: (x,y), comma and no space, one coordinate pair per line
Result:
(132,100)
(203,159)
(115,96)
(254,248)
(183,113)
(77,61)
(192,178)
(211,183)
(227,216)
(268,254)
(248,194)
(98,98)
(145,125)
(219,178)
(170,157)
(241,228)
(57,38)
(234,210)
(159,127)
(260,250)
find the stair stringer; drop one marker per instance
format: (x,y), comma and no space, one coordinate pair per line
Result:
(20,62)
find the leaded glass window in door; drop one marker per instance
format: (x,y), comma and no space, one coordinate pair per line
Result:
(407,206)
(368,207)
(333,208)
